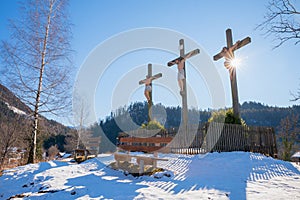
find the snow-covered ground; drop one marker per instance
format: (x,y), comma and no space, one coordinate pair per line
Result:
(235,175)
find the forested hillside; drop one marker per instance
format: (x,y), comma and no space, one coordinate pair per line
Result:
(15,129)
(133,116)
(257,114)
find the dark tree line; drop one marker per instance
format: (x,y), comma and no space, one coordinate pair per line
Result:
(133,116)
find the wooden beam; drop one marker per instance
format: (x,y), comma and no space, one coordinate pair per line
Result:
(147,140)
(244,42)
(191,53)
(156,76)
(240,44)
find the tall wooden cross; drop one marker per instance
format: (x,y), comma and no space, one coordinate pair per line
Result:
(228,54)
(149,89)
(180,61)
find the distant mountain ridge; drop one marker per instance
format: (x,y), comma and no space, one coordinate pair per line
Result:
(257,114)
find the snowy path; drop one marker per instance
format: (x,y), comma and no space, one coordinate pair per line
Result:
(235,175)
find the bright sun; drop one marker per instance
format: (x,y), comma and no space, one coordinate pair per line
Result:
(235,62)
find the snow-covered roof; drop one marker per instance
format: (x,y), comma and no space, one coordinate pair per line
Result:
(296,155)
(65,155)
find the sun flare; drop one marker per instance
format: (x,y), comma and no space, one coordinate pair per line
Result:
(235,62)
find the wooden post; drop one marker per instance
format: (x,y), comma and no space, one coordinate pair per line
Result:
(184,96)
(150,94)
(141,170)
(148,83)
(181,61)
(228,54)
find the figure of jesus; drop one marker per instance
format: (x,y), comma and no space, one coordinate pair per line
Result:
(180,75)
(148,88)
(228,55)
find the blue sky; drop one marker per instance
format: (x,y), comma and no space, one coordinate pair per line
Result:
(267,76)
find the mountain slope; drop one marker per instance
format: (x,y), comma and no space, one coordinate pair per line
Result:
(16,128)
(8,97)
(9,102)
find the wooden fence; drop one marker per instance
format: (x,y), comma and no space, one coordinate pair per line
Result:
(208,137)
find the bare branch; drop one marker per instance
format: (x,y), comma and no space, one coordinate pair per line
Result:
(280,22)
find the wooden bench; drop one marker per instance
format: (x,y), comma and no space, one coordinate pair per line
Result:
(141,160)
(149,160)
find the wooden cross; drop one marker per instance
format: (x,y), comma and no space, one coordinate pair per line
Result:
(228,54)
(180,61)
(149,89)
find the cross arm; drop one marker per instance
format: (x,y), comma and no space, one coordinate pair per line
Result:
(188,55)
(219,55)
(242,43)
(236,46)
(156,76)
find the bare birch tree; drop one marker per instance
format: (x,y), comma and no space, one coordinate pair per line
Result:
(80,114)
(37,59)
(282,21)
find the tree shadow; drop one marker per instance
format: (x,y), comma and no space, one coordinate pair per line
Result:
(24,178)
(106,183)
(228,174)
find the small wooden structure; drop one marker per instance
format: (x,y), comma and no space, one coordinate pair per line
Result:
(81,155)
(296,157)
(141,160)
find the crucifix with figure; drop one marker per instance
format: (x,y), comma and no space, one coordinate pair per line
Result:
(180,62)
(228,54)
(149,89)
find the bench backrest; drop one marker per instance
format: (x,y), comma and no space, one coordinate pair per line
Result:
(122,157)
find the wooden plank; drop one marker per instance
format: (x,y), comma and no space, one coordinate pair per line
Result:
(148,160)
(229,38)
(243,42)
(156,76)
(122,157)
(147,140)
(218,56)
(192,53)
(144,148)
